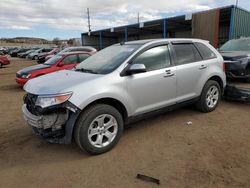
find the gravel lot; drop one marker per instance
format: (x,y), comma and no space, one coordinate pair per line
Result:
(212,152)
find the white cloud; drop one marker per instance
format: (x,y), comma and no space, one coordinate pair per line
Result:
(71,15)
(20,27)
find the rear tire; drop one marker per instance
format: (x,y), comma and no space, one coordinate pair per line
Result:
(210,97)
(98,129)
(1,65)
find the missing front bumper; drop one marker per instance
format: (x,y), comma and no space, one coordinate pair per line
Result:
(236,70)
(53,121)
(56,127)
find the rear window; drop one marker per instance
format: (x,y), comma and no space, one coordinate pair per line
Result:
(205,52)
(186,53)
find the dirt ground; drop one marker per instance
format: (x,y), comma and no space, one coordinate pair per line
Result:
(212,152)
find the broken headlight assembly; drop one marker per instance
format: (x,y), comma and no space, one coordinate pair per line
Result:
(51,100)
(244,60)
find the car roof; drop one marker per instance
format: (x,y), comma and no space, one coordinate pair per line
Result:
(142,42)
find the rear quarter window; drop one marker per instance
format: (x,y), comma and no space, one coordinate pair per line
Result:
(205,51)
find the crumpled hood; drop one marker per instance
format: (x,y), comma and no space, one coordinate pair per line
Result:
(28,70)
(234,55)
(57,82)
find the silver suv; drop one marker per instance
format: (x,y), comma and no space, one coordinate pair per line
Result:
(120,84)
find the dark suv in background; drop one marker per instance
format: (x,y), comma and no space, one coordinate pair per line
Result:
(236,54)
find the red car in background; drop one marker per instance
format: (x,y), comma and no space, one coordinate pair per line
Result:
(56,63)
(42,56)
(4,60)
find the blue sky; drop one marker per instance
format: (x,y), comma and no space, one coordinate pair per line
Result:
(67,19)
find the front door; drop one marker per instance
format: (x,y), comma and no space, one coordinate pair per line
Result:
(155,88)
(70,61)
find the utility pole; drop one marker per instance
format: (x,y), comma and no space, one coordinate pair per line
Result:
(88,21)
(138,17)
(236,3)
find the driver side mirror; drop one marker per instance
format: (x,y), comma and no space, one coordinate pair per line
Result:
(60,64)
(136,68)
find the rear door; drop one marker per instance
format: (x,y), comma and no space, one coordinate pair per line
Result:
(189,69)
(155,88)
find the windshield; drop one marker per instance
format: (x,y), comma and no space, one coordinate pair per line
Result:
(53,60)
(236,45)
(108,59)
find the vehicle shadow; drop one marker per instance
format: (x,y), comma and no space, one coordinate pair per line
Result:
(21,147)
(4,67)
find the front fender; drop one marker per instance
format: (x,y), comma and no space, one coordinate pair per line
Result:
(83,99)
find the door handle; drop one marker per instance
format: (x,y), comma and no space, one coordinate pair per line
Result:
(168,74)
(203,67)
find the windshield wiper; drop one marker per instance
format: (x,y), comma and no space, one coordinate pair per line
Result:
(86,70)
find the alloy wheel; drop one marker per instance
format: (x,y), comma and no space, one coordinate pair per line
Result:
(212,96)
(102,130)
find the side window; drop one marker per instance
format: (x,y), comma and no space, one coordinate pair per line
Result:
(154,58)
(82,57)
(205,52)
(186,53)
(71,59)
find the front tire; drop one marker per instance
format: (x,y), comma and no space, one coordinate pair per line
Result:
(36,58)
(98,129)
(1,65)
(210,97)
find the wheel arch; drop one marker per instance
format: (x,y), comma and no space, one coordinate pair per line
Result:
(219,80)
(112,102)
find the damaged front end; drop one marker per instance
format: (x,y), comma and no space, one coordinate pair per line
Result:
(237,93)
(237,68)
(54,123)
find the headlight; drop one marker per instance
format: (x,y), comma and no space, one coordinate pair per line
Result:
(51,100)
(244,60)
(25,75)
